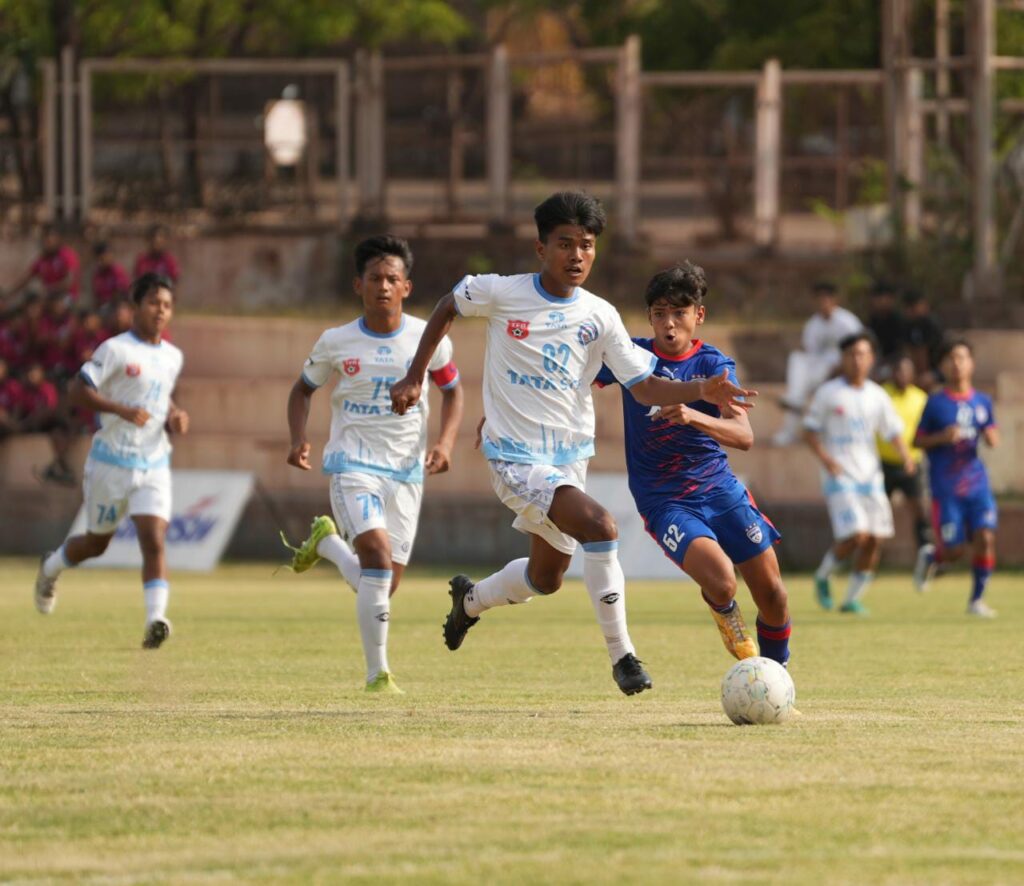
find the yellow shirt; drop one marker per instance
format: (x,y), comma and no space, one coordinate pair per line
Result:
(909,406)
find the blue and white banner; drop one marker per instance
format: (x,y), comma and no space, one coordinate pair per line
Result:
(207,506)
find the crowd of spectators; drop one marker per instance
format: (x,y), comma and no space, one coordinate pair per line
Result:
(49,328)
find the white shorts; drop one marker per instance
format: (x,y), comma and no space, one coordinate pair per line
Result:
(528,490)
(854,511)
(362,502)
(110,491)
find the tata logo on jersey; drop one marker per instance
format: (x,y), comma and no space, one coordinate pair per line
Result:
(133,370)
(383,355)
(518,328)
(350,366)
(556,320)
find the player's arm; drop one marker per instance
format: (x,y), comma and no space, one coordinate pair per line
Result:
(813,440)
(406,392)
(83,395)
(946,436)
(718,390)
(732,429)
(439,459)
(909,465)
(177,418)
(299,398)
(990,435)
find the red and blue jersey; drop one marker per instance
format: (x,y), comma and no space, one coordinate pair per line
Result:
(670,462)
(955,469)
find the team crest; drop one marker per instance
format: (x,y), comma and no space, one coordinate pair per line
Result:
(587,332)
(755,534)
(133,370)
(518,328)
(350,366)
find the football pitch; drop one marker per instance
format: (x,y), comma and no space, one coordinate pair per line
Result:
(245,750)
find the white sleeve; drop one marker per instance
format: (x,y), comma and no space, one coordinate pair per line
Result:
(850,323)
(628,361)
(810,338)
(105,360)
(318,366)
(814,418)
(474,294)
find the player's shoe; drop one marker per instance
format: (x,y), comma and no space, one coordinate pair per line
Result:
(629,673)
(305,557)
(823,591)
(384,684)
(981,609)
(46,589)
(738,642)
(854,607)
(458,622)
(924,567)
(157,631)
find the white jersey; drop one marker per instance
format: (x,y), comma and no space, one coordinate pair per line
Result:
(543,353)
(134,372)
(822,336)
(848,419)
(366,436)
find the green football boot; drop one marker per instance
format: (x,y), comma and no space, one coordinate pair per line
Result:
(854,607)
(305,557)
(385,684)
(823,591)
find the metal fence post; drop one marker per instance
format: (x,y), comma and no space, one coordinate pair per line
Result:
(342,102)
(499,136)
(49,127)
(982,120)
(67,132)
(628,118)
(85,137)
(768,154)
(913,160)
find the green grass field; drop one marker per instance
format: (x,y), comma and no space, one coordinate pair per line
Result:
(245,750)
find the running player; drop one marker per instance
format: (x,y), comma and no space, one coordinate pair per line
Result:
(955,419)
(129,381)
(375,458)
(546,340)
(845,415)
(692,504)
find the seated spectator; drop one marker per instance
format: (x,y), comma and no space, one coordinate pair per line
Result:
(925,337)
(886,321)
(157,259)
(10,401)
(25,334)
(807,368)
(40,413)
(109,280)
(908,400)
(56,268)
(120,318)
(88,336)
(56,329)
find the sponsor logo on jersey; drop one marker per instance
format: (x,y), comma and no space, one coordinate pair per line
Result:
(981,414)
(350,366)
(755,534)
(383,354)
(133,370)
(518,328)
(587,332)
(556,320)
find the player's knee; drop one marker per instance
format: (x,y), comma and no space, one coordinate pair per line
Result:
(97,544)
(374,550)
(720,588)
(602,527)
(545,581)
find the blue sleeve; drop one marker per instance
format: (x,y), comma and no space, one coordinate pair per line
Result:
(928,423)
(605,377)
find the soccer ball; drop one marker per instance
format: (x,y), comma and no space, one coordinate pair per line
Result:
(758,691)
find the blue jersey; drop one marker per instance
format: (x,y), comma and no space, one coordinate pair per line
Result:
(955,469)
(669,462)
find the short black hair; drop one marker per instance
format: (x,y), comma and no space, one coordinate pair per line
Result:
(848,341)
(681,285)
(148,283)
(379,247)
(101,247)
(824,287)
(569,208)
(913,297)
(882,287)
(949,344)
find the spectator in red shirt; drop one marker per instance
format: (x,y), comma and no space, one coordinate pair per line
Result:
(56,329)
(120,320)
(41,414)
(88,336)
(10,401)
(56,268)
(157,260)
(109,280)
(23,339)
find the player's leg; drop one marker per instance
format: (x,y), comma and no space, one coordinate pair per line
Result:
(914,492)
(948,528)
(578,515)
(764,579)
(151,531)
(847,524)
(708,565)
(865,562)
(981,518)
(105,489)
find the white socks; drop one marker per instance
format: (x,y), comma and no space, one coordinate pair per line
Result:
(156,591)
(606,585)
(373,610)
(333,548)
(859,582)
(828,565)
(56,563)
(508,585)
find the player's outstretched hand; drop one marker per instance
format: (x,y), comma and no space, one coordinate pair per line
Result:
(177,421)
(720,391)
(677,415)
(405,393)
(439,460)
(135,414)
(298,457)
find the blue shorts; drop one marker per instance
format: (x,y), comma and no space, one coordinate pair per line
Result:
(732,520)
(956,518)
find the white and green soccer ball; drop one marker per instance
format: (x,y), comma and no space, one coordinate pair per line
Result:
(757,691)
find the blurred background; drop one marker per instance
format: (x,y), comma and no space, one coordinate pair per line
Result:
(245,147)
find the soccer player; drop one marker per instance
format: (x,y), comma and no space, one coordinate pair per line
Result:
(375,458)
(129,381)
(546,340)
(693,506)
(841,424)
(954,422)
